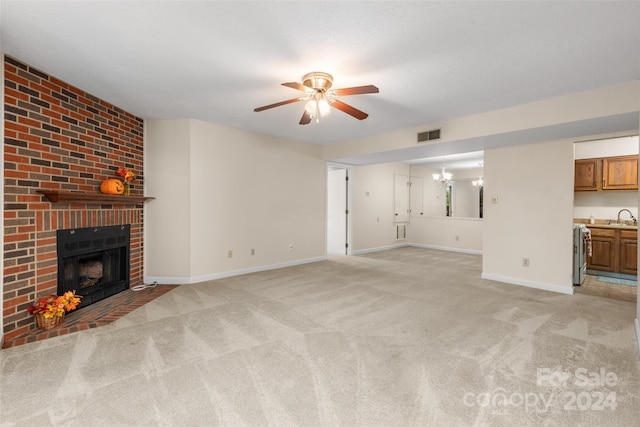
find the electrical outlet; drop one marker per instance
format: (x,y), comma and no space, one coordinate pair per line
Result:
(230,254)
(494,199)
(290,247)
(253,251)
(525,262)
(457,238)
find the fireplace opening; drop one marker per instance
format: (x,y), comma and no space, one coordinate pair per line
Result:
(90,271)
(94,261)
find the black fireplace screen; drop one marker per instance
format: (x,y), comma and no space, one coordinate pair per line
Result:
(94,261)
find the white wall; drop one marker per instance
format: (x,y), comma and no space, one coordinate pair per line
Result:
(606,147)
(604,205)
(372,205)
(452,234)
(573,108)
(167,222)
(240,191)
(532,218)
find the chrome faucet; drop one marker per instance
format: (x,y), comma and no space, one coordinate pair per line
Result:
(635,221)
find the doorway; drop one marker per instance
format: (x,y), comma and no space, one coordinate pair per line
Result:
(600,166)
(338,210)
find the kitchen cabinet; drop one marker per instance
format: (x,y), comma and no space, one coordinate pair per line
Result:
(628,245)
(606,173)
(620,173)
(614,250)
(603,244)
(586,175)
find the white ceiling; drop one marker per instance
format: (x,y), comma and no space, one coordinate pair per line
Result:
(217,61)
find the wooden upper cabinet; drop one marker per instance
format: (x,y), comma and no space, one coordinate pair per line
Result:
(586,175)
(620,173)
(608,173)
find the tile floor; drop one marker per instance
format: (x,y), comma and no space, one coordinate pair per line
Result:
(98,314)
(591,286)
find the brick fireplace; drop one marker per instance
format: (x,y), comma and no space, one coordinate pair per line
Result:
(59,138)
(93,262)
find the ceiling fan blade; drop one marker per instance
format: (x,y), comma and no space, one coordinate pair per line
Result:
(277,104)
(355,90)
(298,86)
(346,108)
(306,118)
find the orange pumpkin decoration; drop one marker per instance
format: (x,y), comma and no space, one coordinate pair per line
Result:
(112,186)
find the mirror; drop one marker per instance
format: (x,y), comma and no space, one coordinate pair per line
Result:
(459,198)
(465,199)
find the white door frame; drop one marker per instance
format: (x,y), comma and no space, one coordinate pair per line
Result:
(348,204)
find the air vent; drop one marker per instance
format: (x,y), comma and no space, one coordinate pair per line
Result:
(429,135)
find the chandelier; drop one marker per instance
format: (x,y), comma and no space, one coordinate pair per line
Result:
(479,183)
(443,177)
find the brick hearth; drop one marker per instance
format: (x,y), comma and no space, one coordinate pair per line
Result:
(98,314)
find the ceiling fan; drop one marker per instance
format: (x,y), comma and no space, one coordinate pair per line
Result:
(320,97)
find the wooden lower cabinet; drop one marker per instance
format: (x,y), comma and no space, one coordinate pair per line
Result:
(614,250)
(603,244)
(628,252)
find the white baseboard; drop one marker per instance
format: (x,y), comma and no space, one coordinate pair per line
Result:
(637,328)
(446,248)
(417,245)
(529,284)
(379,248)
(224,274)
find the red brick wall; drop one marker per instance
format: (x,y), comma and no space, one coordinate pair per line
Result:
(58,137)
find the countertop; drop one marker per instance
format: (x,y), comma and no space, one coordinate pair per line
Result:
(621,226)
(604,223)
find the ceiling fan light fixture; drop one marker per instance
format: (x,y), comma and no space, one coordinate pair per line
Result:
(311,107)
(320,98)
(318,105)
(318,80)
(324,107)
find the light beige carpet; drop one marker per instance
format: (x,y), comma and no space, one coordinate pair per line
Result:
(406,337)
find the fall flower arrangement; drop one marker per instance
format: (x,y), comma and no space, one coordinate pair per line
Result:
(126,175)
(55,306)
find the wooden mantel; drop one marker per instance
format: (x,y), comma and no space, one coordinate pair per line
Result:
(56,196)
